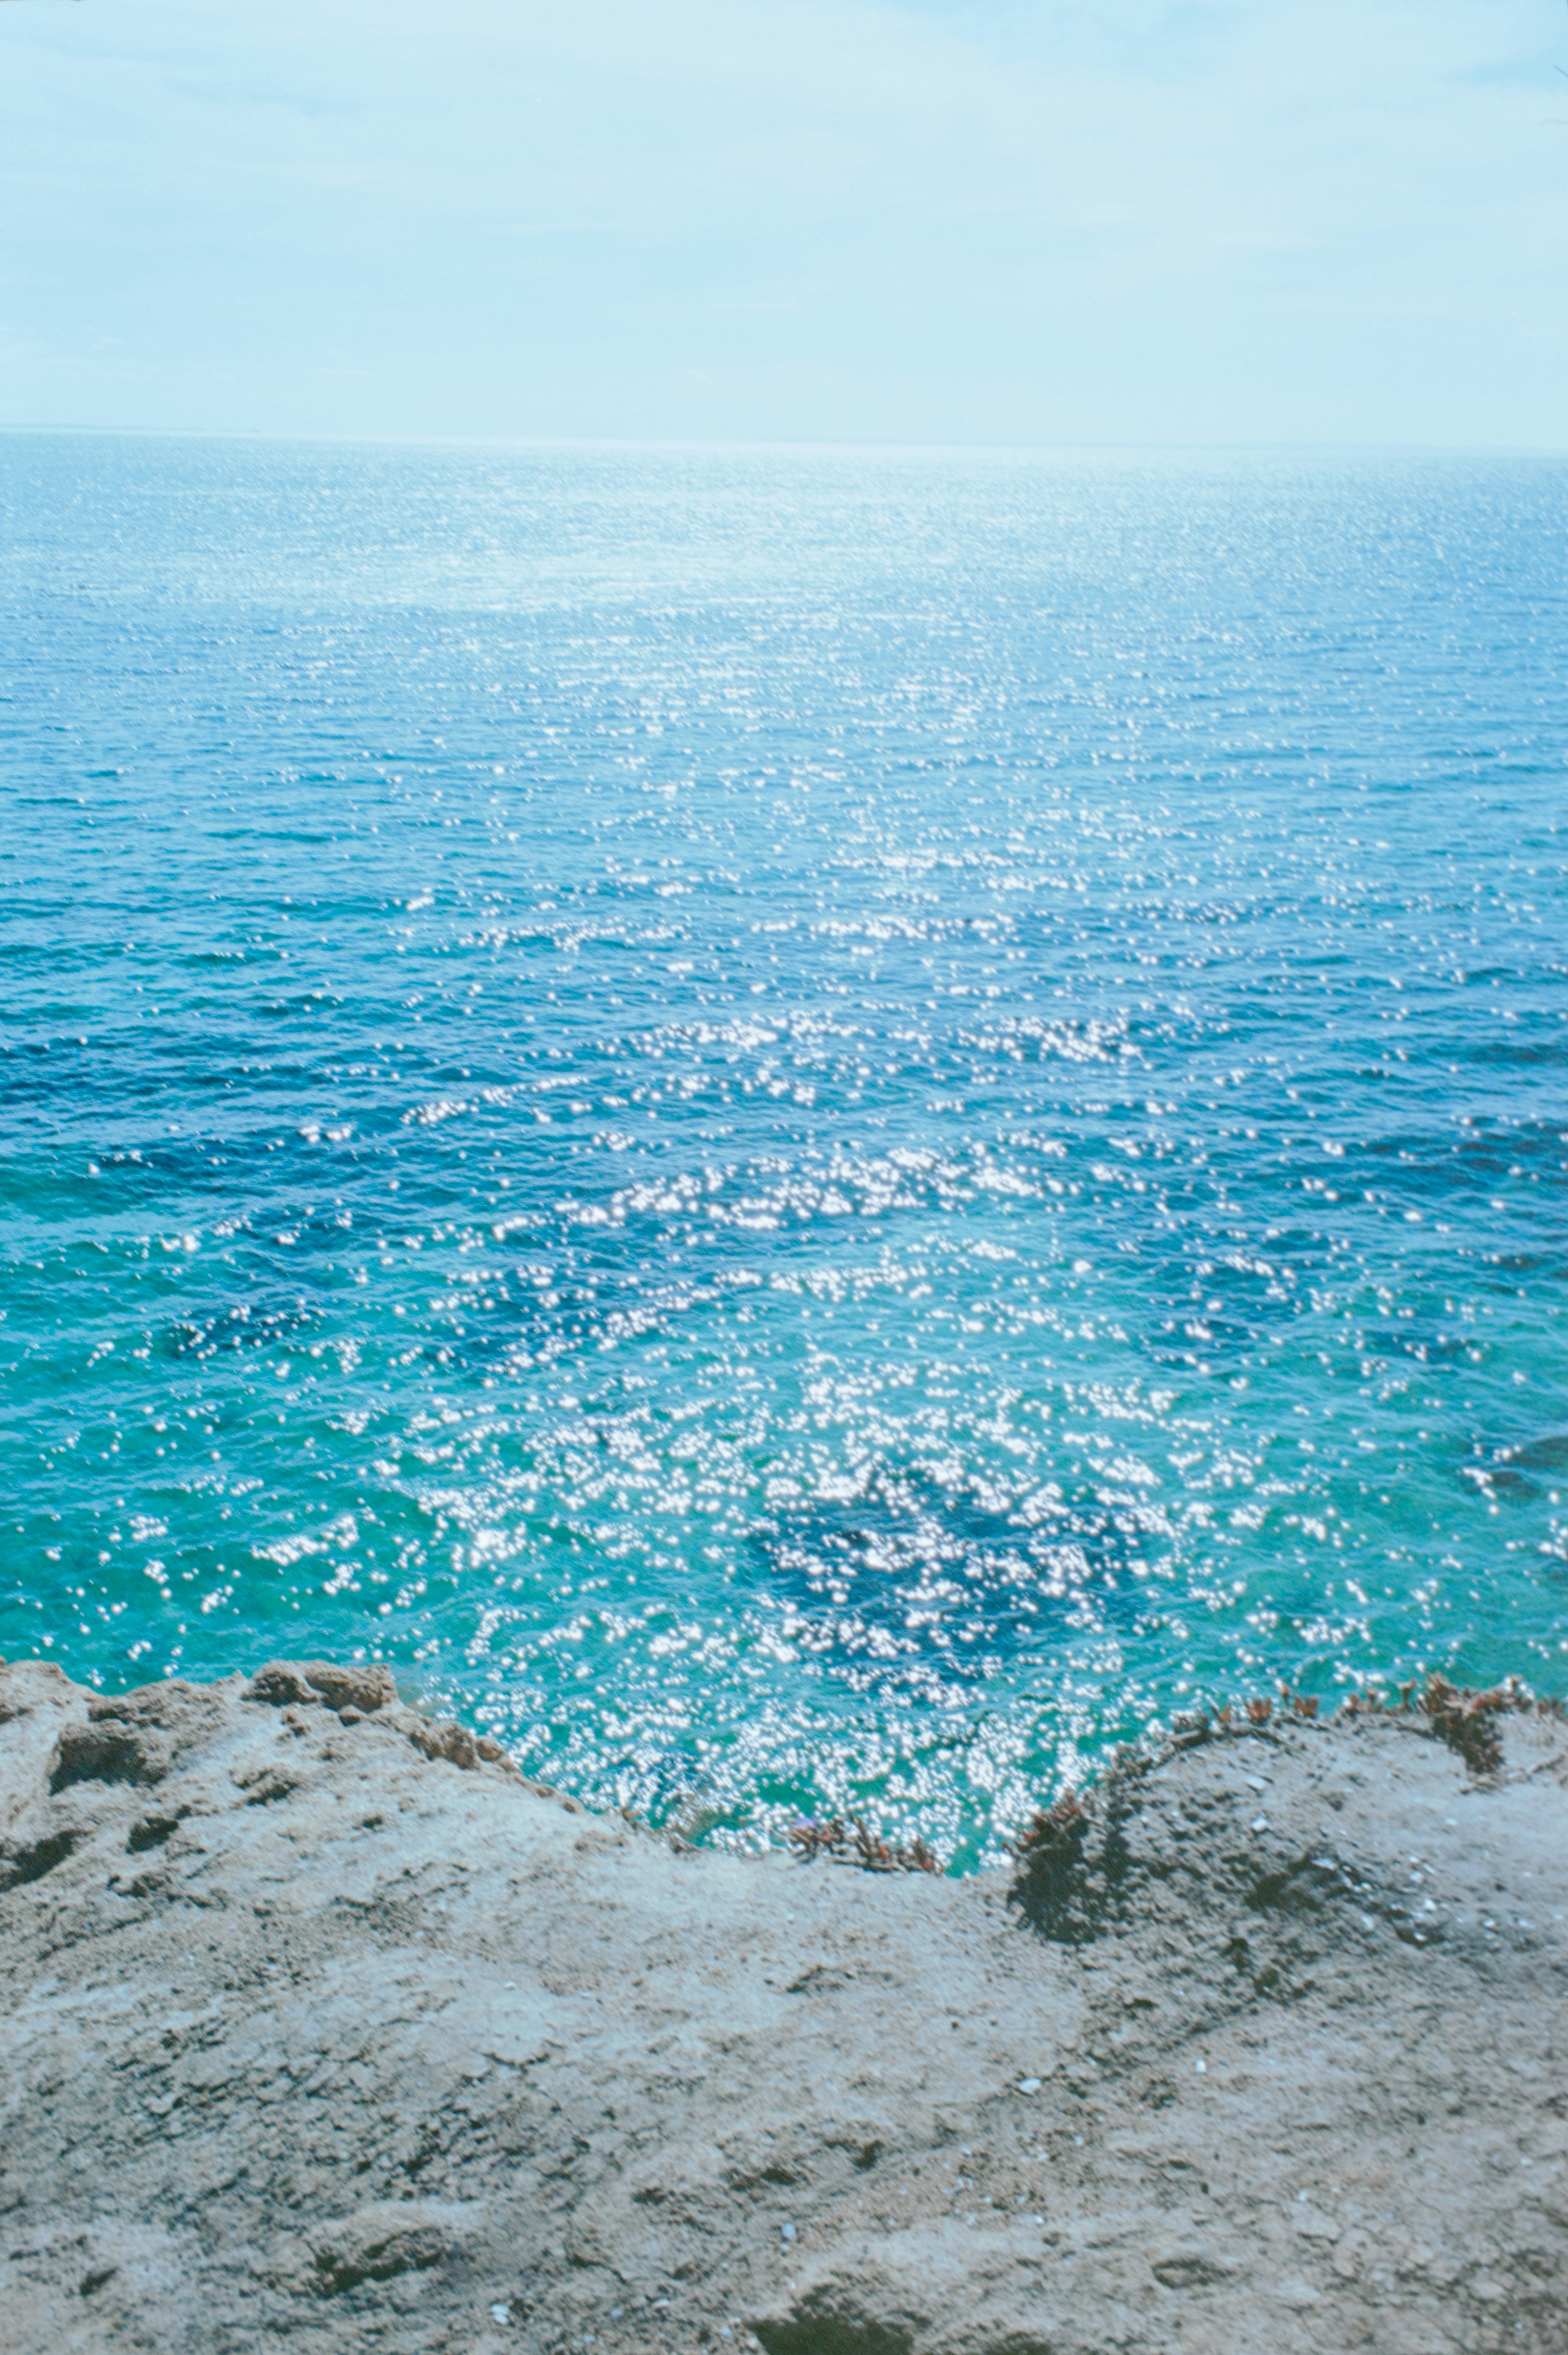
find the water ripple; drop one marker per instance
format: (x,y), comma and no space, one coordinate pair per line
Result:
(807,1131)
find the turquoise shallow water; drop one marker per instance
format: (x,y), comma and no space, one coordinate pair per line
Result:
(805,1129)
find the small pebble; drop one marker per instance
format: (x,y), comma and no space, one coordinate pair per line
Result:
(786,2231)
(1029,2084)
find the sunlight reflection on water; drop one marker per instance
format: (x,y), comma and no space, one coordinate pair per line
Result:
(807,1130)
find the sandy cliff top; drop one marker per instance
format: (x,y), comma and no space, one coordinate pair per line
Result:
(321,2026)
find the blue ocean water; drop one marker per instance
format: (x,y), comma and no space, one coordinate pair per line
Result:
(808,1129)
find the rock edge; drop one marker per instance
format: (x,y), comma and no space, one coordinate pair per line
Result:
(321,2023)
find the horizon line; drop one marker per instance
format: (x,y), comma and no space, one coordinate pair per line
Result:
(821,442)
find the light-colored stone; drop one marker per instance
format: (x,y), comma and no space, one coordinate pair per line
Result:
(320,2025)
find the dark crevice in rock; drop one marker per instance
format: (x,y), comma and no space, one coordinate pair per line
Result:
(20,1865)
(151,1832)
(827,2333)
(411,2251)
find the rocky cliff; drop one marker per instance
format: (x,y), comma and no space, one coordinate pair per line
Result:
(322,2027)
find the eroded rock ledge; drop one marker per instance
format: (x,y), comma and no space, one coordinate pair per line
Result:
(322,2027)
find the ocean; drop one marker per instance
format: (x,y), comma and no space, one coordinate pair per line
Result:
(812,1130)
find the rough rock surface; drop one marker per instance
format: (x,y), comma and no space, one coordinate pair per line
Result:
(322,2028)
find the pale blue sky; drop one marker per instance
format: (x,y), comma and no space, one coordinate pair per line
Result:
(1041,221)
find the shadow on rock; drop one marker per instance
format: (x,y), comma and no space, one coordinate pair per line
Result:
(1072,1859)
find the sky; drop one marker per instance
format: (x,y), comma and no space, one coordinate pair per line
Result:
(1046,221)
